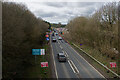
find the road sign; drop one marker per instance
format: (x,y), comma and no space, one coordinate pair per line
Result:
(47,39)
(44,64)
(80,44)
(113,64)
(35,51)
(38,51)
(46,35)
(42,52)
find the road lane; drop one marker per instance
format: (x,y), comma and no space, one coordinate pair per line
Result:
(86,71)
(63,68)
(82,70)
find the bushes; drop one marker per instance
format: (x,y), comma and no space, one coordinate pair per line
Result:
(100,31)
(22,31)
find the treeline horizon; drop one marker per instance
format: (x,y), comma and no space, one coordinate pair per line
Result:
(58,25)
(22,32)
(99,31)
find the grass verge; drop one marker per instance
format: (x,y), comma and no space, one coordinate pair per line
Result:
(36,71)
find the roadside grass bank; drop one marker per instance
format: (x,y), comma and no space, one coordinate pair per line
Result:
(22,32)
(36,71)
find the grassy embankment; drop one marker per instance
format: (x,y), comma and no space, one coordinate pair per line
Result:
(22,32)
(98,35)
(37,71)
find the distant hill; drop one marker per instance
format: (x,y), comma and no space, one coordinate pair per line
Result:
(57,25)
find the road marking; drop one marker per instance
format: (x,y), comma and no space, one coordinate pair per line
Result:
(88,63)
(61,47)
(64,51)
(72,65)
(75,67)
(54,62)
(58,42)
(66,54)
(80,64)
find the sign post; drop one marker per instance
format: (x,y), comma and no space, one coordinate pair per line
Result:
(44,64)
(35,58)
(38,52)
(113,64)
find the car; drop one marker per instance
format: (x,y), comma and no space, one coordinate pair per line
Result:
(60,38)
(56,33)
(52,34)
(54,40)
(61,57)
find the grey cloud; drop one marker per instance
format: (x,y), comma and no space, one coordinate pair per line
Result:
(69,4)
(89,10)
(56,4)
(51,14)
(78,4)
(42,13)
(72,4)
(86,4)
(68,10)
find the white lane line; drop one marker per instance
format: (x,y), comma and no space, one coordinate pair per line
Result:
(81,65)
(61,47)
(54,62)
(66,54)
(71,66)
(75,67)
(58,42)
(64,51)
(88,63)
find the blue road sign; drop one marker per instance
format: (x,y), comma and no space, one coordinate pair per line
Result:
(47,39)
(35,51)
(80,44)
(38,51)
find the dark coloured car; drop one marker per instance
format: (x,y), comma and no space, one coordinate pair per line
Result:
(52,34)
(56,33)
(54,40)
(60,38)
(61,57)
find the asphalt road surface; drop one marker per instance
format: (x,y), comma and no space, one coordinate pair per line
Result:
(76,66)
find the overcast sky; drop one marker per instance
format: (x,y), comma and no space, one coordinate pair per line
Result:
(56,11)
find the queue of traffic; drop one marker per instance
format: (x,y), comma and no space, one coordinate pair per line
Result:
(60,56)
